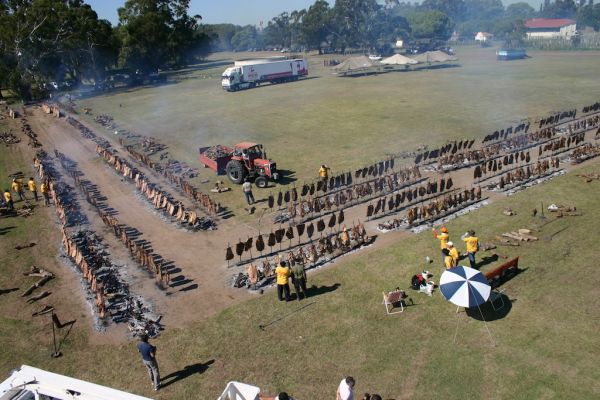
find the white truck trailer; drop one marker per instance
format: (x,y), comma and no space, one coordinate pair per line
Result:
(250,73)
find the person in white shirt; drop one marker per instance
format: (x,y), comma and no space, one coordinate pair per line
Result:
(345,390)
(247,189)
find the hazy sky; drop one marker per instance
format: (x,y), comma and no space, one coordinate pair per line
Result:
(238,12)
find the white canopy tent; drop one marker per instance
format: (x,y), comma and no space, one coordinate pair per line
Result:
(398,59)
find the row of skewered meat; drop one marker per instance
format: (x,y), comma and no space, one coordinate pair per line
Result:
(309,204)
(503,134)
(442,206)
(584,152)
(203,199)
(140,251)
(277,237)
(160,199)
(27,131)
(325,248)
(449,148)
(557,117)
(524,173)
(87,132)
(409,195)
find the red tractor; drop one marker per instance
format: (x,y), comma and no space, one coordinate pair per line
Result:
(245,160)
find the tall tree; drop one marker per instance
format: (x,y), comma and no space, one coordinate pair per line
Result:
(316,25)
(158,33)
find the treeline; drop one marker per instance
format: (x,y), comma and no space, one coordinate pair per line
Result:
(376,25)
(47,43)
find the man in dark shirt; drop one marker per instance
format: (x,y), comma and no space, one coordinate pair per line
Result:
(148,353)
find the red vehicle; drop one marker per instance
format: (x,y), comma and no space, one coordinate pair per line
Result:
(245,160)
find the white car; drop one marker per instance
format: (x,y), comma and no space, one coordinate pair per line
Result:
(374,57)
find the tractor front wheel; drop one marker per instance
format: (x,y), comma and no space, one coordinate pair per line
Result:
(261,182)
(235,171)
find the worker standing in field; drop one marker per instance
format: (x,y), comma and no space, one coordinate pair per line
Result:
(443,237)
(448,260)
(148,353)
(453,252)
(299,280)
(247,189)
(472,243)
(8,199)
(17,187)
(44,189)
(323,172)
(283,275)
(32,188)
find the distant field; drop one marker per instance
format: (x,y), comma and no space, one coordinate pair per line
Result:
(347,122)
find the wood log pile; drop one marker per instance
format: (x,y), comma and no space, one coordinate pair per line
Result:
(140,250)
(311,255)
(160,199)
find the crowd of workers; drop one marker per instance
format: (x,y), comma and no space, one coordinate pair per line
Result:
(18,188)
(450,255)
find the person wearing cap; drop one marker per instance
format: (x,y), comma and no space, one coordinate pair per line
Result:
(17,187)
(32,188)
(453,252)
(443,237)
(323,172)
(8,199)
(448,260)
(472,243)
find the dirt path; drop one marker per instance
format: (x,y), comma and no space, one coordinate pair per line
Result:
(201,284)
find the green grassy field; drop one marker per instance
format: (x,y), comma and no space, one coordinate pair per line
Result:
(546,342)
(544,345)
(348,122)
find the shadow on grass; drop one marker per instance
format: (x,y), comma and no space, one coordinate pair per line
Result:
(486,260)
(287,177)
(318,290)
(503,306)
(5,291)
(189,370)
(6,229)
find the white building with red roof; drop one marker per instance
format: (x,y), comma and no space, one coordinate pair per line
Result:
(550,28)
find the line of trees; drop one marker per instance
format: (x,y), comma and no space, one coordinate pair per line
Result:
(374,25)
(47,42)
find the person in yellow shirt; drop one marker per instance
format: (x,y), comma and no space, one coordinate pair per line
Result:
(453,252)
(443,237)
(323,172)
(17,187)
(8,199)
(472,243)
(44,189)
(32,188)
(448,260)
(282,272)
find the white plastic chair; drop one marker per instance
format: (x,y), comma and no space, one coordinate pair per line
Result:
(392,300)
(239,391)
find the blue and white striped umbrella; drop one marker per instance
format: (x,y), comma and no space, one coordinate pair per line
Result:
(464,286)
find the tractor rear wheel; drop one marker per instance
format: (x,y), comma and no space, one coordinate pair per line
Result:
(235,171)
(261,182)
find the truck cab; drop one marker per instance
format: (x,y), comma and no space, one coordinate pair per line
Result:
(233,79)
